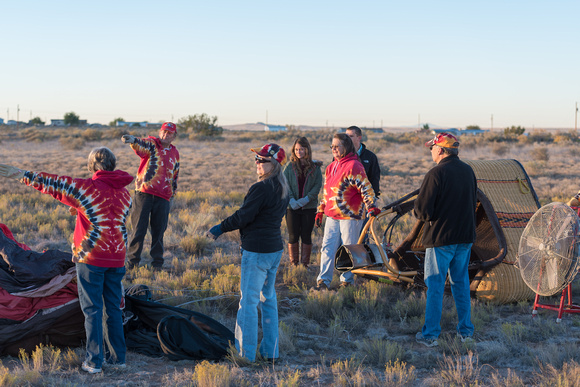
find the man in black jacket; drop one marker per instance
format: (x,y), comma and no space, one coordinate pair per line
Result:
(446,203)
(367,158)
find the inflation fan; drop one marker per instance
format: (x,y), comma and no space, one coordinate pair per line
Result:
(548,255)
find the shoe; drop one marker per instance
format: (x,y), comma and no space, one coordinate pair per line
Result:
(466,339)
(305,253)
(344,285)
(114,366)
(425,341)
(91,370)
(321,285)
(293,253)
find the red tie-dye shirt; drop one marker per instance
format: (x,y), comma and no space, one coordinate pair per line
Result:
(347,190)
(159,169)
(102,203)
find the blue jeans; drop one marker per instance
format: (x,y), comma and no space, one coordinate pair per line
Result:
(98,287)
(438,261)
(335,231)
(257,291)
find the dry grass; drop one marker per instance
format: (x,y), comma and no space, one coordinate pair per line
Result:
(358,336)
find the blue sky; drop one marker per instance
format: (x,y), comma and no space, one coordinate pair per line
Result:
(335,63)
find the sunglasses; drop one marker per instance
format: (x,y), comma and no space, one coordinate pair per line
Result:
(260,160)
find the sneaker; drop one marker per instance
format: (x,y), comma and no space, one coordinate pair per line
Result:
(344,285)
(321,285)
(114,366)
(425,341)
(466,339)
(91,370)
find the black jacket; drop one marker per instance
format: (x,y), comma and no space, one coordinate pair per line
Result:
(446,203)
(259,218)
(372,168)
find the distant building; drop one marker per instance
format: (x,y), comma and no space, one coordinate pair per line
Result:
(474,132)
(1,121)
(57,122)
(133,124)
(274,128)
(363,129)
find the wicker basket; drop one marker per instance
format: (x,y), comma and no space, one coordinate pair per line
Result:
(509,189)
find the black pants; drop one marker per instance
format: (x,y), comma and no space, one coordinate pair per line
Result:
(300,224)
(148,209)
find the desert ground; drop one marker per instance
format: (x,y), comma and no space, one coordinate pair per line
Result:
(353,337)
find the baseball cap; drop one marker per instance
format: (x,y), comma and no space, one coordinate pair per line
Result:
(444,140)
(271,150)
(169,126)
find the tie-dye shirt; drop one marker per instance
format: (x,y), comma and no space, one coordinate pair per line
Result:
(347,190)
(159,169)
(102,203)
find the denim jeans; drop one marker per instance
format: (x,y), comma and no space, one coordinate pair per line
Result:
(148,210)
(258,292)
(335,231)
(100,287)
(438,262)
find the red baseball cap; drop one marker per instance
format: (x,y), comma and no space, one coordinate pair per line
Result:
(271,150)
(444,140)
(169,126)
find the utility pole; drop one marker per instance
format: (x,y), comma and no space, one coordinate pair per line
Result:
(576,120)
(17,115)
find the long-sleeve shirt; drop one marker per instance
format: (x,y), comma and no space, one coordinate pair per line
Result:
(159,168)
(446,203)
(347,190)
(259,218)
(102,203)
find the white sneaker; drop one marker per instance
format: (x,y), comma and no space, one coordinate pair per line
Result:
(91,370)
(114,366)
(425,341)
(466,339)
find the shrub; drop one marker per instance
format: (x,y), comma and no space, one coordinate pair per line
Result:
(458,370)
(514,131)
(207,374)
(379,352)
(201,124)
(499,148)
(540,154)
(397,374)
(72,143)
(195,245)
(91,134)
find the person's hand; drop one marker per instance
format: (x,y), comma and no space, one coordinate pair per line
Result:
(214,232)
(294,204)
(11,172)
(302,202)
(72,211)
(128,139)
(374,211)
(318,219)
(575,201)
